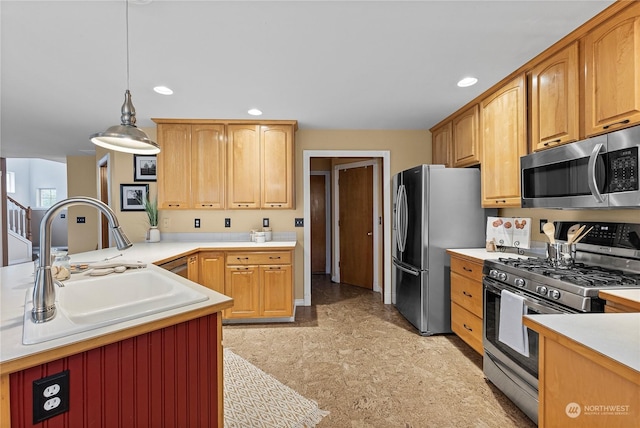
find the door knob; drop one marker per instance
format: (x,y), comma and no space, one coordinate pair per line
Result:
(369,233)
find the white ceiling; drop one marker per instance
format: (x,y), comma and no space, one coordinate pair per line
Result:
(327,64)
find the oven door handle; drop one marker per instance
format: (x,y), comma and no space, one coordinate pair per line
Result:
(591,173)
(529,302)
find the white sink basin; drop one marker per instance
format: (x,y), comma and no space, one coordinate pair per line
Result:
(94,302)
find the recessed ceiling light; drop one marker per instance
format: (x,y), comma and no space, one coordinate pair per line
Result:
(255,112)
(467,81)
(163,90)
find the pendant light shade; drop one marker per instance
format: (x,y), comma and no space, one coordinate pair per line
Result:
(126,137)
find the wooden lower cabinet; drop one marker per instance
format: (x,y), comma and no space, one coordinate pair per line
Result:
(466,300)
(193,268)
(260,283)
(212,270)
(579,387)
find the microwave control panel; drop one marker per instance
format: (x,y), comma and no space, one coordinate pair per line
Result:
(623,170)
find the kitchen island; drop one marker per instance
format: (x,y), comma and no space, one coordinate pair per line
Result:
(162,367)
(589,369)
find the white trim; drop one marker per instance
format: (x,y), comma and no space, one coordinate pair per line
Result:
(386,192)
(374,216)
(327,198)
(105,160)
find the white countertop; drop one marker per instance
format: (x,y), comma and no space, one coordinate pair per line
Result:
(626,294)
(614,335)
(17,279)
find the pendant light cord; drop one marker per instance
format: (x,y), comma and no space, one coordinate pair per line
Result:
(127,35)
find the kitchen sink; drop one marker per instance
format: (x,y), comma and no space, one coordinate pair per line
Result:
(94,302)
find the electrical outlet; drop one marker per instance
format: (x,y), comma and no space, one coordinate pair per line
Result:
(81,220)
(50,396)
(299,222)
(227,222)
(265,222)
(166,222)
(542,222)
(63,215)
(196,223)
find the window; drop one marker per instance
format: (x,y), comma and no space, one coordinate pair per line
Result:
(46,197)
(11,182)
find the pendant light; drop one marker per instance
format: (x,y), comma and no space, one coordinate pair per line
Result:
(126,137)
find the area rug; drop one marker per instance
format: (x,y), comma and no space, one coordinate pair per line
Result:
(254,399)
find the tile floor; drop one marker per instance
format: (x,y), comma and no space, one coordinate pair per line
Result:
(362,361)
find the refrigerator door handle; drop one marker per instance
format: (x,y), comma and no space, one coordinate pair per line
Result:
(404,217)
(404,269)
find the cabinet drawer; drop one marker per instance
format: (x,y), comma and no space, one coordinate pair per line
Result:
(259,258)
(467,326)
(467,268)
(467,293)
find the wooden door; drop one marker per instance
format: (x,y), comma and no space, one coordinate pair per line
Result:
(241,284)
(441,145)
(554,100)
(104,197)
(612,78)
(174,162)
(276,291)
(466,143)
(276,147)
(208,166)
(503,143)
(212,270)
(243,164)
(356,226)
(318,224)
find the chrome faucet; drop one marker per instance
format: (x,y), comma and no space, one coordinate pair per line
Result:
(44,292)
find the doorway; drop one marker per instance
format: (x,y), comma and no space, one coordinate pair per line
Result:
(382,232)
(320,194)
(104,196)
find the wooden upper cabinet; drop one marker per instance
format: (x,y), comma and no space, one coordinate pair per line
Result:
(466,142)
(208,162)
(174,159)
(441,145)
(612,66)
(555,99)
(243,165)
(276,148)
(504,142)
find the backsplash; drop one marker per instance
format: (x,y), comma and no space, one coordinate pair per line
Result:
(222,236)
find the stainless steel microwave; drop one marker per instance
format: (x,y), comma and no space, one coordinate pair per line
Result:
(600,172)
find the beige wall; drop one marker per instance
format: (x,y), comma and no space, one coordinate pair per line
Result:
(407,148)
(81,181)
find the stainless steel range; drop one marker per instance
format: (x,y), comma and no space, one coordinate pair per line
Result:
(608,257)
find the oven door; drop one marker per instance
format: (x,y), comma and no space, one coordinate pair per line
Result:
(513,373)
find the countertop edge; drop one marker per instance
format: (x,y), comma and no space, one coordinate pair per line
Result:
(52,354)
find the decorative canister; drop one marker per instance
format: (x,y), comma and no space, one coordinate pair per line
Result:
(260,238)
(154,234)
(268,235)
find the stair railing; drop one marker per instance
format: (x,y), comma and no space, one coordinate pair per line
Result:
(19,218)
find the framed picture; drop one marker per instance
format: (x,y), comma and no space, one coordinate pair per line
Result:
(132,196)
(144,168)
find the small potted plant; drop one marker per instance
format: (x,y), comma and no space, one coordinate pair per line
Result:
(151,208)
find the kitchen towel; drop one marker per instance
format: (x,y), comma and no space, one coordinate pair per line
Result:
(511,332)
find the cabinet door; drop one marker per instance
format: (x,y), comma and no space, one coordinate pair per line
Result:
(243,188)
(554,100)
(612,80)
(241,283)
(276,291)
(193,269)
(174,160)
(504,142)
(212,270)
(208,166)
(441,145)
(466,144)
(276,147)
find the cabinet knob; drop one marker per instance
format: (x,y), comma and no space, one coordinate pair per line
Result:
(467,269)
(467,294)
(274,257)
(275,268)
(467,327)
(622,122)
(242,258)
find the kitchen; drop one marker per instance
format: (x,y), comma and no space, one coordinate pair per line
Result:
(403,155)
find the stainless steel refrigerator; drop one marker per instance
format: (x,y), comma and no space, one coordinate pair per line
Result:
(434,208)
